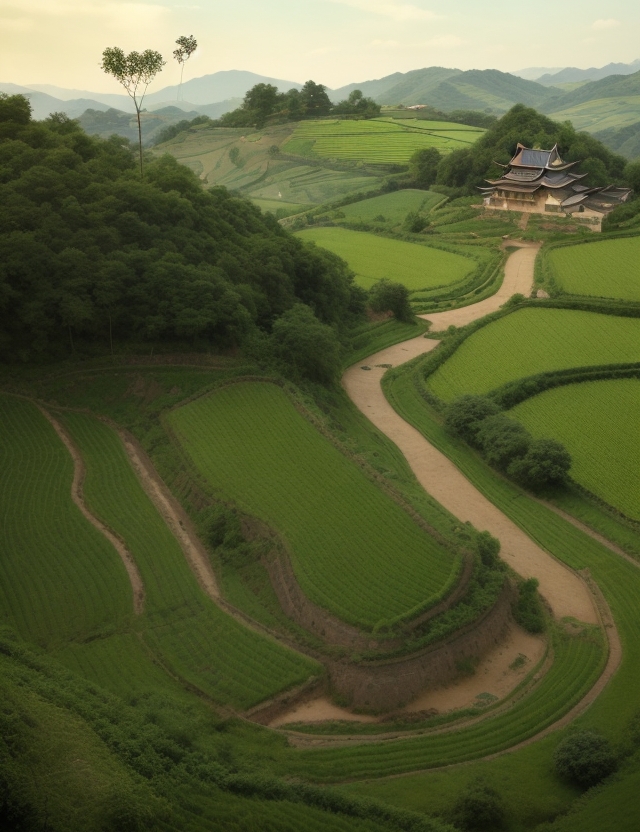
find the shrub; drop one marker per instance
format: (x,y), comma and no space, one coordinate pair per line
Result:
(305,347)
(527,610)
(585,758)
(502,440)
(463,416)
(478,807)
(546,461)
(488,548)
(391,297)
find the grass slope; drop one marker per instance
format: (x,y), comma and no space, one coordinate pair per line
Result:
(60,579)
(607,269)
(601,114)
(373,258)
(390,209)
(355,552)
(197,640)
(598,423)
(532,341)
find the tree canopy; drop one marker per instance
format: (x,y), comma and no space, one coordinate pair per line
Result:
(88,250)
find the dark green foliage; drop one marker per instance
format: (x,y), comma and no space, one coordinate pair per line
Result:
(546,461)
(423,166)
(584,758)
(386,296)
(479,807)
(357,105)
(414,222)
(502,440)
(314,99)
(464,415)
(90,254)
(305,347)
(467,169)
(527,610)
(488,547)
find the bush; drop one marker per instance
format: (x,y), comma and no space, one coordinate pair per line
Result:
(585,758)
(502,440)
(478,807)
(546,462)
(391,297)
(305,347)
(488,547)
(463,416)
(527,610)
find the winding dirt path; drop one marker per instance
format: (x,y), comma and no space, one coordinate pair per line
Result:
(77,496)
(518,279)
(563,589)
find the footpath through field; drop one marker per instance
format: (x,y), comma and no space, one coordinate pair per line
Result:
(564,590)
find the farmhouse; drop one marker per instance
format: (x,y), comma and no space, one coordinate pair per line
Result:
(539,182)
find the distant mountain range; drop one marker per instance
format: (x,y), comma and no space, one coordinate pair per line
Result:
(611,101)
(552,76)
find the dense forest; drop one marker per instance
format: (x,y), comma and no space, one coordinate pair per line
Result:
(91,253)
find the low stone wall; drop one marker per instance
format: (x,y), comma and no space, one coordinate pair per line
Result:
(334,631)
(386,685)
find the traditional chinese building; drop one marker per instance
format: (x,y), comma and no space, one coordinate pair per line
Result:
(538,182)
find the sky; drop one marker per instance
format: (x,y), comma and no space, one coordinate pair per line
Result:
(333,42)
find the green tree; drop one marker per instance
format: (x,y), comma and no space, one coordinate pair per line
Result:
(386,296)
(135,72)
(585,758)
(632,177)
(305,347)
(357,104)
(261,100)
(546,461)
(502,440)
(464,415)
(423,166)
(479,807)
(187,45)
(314,99)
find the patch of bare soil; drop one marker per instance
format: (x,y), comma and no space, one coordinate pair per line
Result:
(78,498)
(319,710)
(173,515)
(495,677)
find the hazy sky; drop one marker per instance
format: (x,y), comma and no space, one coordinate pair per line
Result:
(331,41)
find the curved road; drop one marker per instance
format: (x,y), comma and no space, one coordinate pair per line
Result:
(565,591)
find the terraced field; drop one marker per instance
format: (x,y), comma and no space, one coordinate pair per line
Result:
(532,341)
(390,209)
(59,577)
(374,258)
(381,140)
(598,423)
(602,113)
(197,640)
(354,551)
(607,269)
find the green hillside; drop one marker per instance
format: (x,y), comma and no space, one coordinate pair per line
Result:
(623,140)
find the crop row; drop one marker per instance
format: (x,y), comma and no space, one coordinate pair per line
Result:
(59,577)
(607,269)
(597,421)
(354,551)
(374,258)
(532,341)
(182,626)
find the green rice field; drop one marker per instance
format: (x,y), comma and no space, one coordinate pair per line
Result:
(390,209)
(280,207)
(607,269)
(601,113)
(375,258)
(60,579)
(532,341)
(184,628)
(354,551)
(597,421)
(381,140)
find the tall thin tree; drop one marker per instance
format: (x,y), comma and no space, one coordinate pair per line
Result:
(186,47)
(135,72)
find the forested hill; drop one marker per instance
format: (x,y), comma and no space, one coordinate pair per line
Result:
(89,252)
